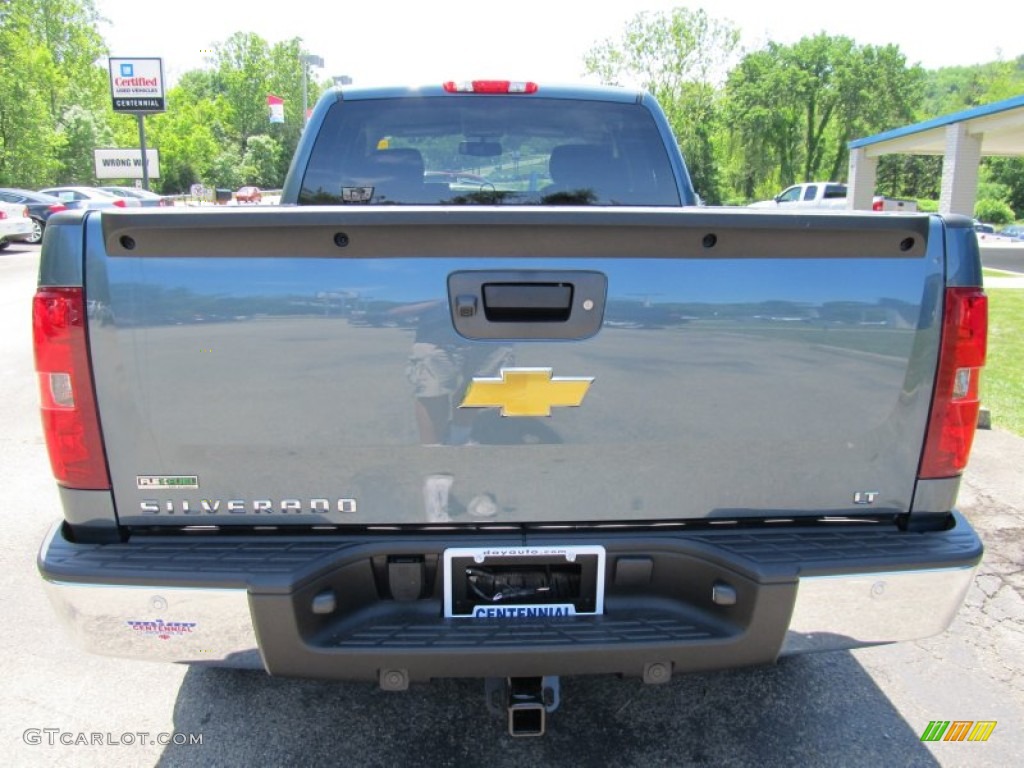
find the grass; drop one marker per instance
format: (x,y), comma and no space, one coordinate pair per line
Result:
(990,272)
(1002,382)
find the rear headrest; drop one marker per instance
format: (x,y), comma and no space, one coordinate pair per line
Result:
(403,165)
(579,165)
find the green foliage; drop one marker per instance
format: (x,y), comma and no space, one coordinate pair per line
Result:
(1008,172)
(909,176)
(261,161)
(926,205)
(1002,381)
(952,89)
(225,171)
(993,211)
(794,108)
(52,92)
(993,190)
(81,130)
(679,56)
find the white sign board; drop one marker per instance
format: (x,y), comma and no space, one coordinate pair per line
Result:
(137,85)
(125,163)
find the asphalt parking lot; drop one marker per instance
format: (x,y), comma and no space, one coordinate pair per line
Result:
(867,707)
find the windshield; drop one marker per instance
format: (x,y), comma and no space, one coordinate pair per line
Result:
(489,150)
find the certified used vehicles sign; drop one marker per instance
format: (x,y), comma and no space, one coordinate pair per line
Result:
(137,85)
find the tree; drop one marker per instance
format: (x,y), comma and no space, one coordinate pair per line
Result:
(81,131)
(796,107)
(217,130)
(1009,172)
(679,56)
(190,135)
(262,160)
(241,76)
(51,88)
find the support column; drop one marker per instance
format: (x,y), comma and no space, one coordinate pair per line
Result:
(960,170)
(863,175)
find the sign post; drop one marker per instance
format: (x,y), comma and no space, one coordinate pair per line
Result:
(137,87)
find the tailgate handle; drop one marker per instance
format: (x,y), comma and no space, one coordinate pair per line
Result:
(527,303)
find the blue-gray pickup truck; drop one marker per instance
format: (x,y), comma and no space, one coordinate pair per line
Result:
(489,395)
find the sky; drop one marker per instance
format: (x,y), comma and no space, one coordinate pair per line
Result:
(404,42)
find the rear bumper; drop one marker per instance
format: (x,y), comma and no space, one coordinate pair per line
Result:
(17,230)
(231,601)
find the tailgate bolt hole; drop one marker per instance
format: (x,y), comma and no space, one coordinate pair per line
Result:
(710,240)
(340,239)
(394,680)
(906,244)
(657,672)
(128,243)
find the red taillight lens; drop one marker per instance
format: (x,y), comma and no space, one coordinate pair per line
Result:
(955,401)
(70,423)
(57,208)
(490,86)
(24,213)
(877,205)
(3,214)
(120,203)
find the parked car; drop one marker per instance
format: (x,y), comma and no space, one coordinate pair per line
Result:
(144,196)
(15,224)
(90,197)
(249,195)
(829,194)
(983,229)
(1016,231)
(40,208)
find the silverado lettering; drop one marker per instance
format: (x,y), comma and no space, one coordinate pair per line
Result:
(243,507)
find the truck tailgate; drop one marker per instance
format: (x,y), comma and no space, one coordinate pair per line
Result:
(301,366)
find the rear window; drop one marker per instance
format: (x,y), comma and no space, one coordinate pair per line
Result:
(488,150)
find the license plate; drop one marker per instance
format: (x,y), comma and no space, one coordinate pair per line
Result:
(523,582)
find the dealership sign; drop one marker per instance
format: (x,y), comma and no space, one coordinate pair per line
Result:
(137,85)
(125,163)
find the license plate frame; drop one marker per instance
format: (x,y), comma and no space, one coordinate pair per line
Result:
(590,558)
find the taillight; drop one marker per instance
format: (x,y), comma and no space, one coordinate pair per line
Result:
(955,400)
(57,208)
(3,214)
(24,213)
(490,86)
(70,422)
(877,204)
(120,203)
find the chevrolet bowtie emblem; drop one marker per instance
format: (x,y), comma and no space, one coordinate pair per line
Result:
(526,392)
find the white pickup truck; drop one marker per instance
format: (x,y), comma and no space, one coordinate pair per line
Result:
(828,194)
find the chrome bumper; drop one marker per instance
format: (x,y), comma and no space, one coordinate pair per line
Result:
(215,626)
(192,626)
(835,612)
(177,624)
